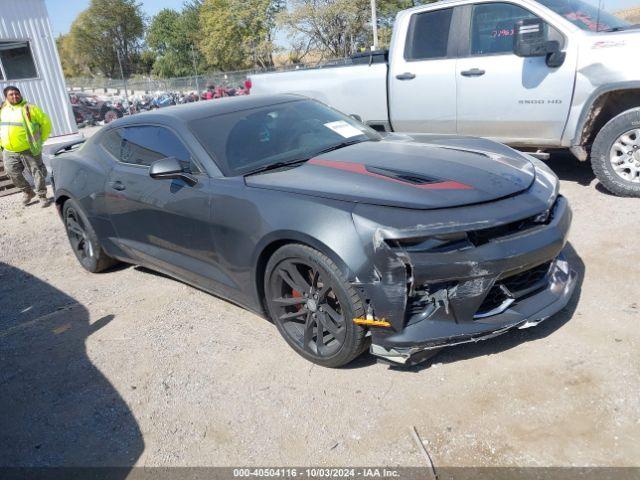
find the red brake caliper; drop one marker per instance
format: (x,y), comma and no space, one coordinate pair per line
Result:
(296,294)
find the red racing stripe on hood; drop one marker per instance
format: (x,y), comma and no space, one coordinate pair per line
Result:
(362,170)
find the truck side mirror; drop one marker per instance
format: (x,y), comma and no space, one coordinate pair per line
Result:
(529,39)
(555,57)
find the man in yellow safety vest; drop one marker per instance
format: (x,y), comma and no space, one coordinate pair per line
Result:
(23,129)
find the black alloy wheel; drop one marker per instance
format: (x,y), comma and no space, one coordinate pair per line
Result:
(312,306)
(77,234)
(83,239)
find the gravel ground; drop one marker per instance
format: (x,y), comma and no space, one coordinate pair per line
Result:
(132,368)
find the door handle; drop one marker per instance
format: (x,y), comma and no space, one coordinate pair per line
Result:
(406,76)
(117,185)
(474,72)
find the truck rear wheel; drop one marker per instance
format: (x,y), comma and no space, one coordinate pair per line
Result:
(615,154)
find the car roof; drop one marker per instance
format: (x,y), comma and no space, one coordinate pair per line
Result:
(206,108)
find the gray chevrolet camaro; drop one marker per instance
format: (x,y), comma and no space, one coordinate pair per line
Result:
(344,237)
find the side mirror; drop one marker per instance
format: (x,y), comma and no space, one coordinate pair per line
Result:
(170,168)
(530,40)
(555,57)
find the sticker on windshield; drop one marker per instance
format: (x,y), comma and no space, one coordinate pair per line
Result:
(343,129)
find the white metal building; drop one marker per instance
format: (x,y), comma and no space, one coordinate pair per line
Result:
(29,60)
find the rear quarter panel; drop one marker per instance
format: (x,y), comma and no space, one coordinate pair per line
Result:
(81,175)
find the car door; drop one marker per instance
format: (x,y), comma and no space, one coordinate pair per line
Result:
(505,97)
(422,86)
(163,223)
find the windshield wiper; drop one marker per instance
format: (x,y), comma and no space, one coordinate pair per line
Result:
(273,166)
(336,147)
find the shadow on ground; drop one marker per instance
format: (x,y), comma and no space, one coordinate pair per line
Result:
(569,168)
(56,407)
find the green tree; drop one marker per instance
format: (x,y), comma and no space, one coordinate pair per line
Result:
(73,65)
(103,30)
(386,13)
(143,62)
(165,41)
(172,38)
(338,28)
(191,19)
(335,27)
(237,34)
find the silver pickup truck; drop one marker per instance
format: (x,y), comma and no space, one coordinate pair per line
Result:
(532,74)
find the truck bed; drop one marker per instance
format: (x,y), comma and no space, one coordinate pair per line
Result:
(342,87)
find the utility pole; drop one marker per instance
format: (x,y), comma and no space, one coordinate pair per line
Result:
(374,25)
(253,49)
(124,80)
(195,69)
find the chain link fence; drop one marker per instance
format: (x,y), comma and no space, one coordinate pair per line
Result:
(189,83)
(150,84)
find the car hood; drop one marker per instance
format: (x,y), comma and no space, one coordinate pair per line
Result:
(404,173)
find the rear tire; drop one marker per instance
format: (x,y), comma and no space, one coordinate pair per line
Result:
(306,293)
(83,239)
(615,154)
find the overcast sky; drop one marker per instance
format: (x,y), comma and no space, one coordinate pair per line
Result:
(63,12)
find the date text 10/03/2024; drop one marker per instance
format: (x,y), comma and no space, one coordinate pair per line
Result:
(317,472)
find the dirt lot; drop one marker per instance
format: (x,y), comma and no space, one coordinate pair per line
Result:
(132,368)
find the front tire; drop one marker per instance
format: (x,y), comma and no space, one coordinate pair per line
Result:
(83,239)
(615,154)
(313,306)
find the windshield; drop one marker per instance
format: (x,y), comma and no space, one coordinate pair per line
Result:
(597,16)
(250,140)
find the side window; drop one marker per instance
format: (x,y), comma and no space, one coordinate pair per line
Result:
(492,27)
(145,144)
(17,61)
(112,141)
(428,35)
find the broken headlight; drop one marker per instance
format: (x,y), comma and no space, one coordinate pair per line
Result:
(432,244)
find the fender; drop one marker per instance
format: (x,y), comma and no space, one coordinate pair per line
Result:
(590,102)
(289,236)
(101,225)
(57,196)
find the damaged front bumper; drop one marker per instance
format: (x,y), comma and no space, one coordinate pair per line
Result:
(409,346)
(435,294)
